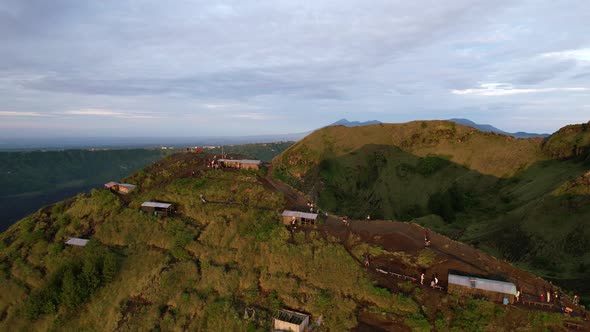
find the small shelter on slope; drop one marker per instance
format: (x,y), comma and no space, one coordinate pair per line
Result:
(493,290)
(299,217)
(241,163)
(74,241)
(287,320)
(122,188)
(158,208)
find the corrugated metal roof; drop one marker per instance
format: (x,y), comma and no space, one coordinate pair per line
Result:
(156,205)
(110,184)
(128,185)
(484,284)
(242,161)
(298,214)
(291,316)
(74,241)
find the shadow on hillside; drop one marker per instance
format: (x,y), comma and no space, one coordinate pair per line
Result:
(515,218)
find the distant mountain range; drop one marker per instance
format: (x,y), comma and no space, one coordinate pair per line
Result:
(346,123)
(489,128)
(20,144)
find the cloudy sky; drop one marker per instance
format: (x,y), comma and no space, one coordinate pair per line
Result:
(195,68)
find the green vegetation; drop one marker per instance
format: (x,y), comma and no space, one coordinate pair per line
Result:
(262,151)
(200,269)
(29,180)
(525,200)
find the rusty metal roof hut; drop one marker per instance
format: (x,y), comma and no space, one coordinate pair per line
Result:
(122,188)
(241,163)
(493,290)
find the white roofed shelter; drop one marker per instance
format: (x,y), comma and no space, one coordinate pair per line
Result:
(297,216)
(158,208)
(290,321)
(494,290)
(74,241)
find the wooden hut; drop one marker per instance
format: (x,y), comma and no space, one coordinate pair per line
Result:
(287,320)
(157,208)
(493,290)
(241,163)
(74,241)
(299,217)
(122,188)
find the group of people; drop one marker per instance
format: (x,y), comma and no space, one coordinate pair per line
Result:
(433,280)
(551,297)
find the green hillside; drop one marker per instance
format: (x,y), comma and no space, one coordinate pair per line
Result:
(32,179)
(525,200)
(200,269)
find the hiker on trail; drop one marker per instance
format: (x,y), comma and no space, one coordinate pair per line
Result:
(345,220)
(367,261)
(548,297)
(517,296)
(427,238)
(432,284)
(542,297)
(422,279)
(368,217)
(576,299)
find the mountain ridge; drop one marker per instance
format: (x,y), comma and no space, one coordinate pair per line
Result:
(490,128)
(488,189)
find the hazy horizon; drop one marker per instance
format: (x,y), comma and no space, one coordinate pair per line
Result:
(211,68)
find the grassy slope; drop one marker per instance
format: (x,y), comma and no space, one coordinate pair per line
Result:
(506,189)
(32,179)
(200,269)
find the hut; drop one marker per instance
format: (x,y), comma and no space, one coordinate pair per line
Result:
(299,217)
(74,241)
(157,208)
(126,188)
(493,290)
(122,188)
(241,163)
(111,185)
(287,320)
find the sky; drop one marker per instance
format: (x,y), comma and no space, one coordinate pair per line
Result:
(201,68)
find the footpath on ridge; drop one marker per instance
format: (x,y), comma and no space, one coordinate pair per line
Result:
(408,238)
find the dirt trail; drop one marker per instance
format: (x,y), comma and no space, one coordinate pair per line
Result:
(451,256)
(295,199)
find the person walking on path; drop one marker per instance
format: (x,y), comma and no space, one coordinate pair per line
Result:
(422,279)
(548,297)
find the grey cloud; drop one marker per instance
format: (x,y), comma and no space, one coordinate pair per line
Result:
(306,60)
(544,73)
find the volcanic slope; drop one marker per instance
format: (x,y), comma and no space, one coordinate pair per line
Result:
(201,268)
(525,200)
